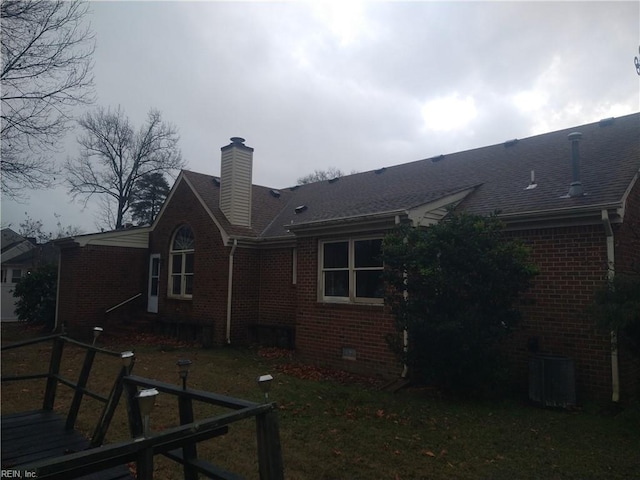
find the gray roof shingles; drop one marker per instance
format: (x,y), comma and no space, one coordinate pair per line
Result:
(609,161)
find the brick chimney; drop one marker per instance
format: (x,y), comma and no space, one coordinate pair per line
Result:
(235,182)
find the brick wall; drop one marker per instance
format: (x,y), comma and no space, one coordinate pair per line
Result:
(557,320)
(278,294)
(95,278)
(246,290)
(203,316)
(324,329)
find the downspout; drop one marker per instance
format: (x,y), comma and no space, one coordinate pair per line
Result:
(405,333)
(230,289)
(615,371)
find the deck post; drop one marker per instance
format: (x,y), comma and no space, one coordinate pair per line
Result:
(79,391)
(269,448)
(110,408)
(54,371)
(144,464)
(133,410)
(189,451)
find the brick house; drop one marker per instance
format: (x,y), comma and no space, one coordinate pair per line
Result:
(229,262)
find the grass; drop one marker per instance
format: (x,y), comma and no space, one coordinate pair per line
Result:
(333,430)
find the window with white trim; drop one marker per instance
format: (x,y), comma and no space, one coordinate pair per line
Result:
(16,275)
(181,258)
(351,270)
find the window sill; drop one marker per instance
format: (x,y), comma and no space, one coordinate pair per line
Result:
(351,303)
(183,299)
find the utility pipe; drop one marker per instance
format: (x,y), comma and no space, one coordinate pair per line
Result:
(615,369)
(230,289)
(405,333)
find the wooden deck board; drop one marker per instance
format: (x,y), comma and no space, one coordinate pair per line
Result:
(38,435)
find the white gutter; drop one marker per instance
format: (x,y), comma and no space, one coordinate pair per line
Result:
(615,371)
(230,289)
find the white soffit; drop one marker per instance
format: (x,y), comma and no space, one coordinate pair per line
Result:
(432,212)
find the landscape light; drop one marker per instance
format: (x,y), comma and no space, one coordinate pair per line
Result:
(96,333)
(146,401)
(264,382)
(127,359)
(183,370)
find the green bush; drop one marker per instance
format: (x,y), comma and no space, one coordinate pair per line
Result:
(453,287)
(617,308)
(36,294)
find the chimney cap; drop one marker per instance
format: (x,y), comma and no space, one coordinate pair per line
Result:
(237,140)
(573,136)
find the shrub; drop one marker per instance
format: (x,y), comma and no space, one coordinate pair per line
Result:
(36,294)
(452,287)
(617,308)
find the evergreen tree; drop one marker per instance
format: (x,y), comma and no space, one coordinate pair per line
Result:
(148,198)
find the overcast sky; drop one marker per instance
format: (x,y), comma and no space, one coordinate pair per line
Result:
(352,85)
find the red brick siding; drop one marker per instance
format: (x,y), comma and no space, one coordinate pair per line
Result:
(246,287)
(208,306)
(278,294)
(323,329)
(206,312)
(95,278)
(573,264)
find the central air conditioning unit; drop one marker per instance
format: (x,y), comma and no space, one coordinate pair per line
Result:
(552,381)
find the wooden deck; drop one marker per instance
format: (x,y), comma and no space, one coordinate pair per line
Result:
(29,437)
(44,444)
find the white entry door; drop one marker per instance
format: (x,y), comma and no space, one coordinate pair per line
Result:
(154,283)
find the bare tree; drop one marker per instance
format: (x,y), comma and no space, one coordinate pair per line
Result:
(114,158)
(320,175)
(30,228)
(46,70)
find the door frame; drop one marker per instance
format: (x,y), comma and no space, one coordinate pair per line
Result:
(152,299)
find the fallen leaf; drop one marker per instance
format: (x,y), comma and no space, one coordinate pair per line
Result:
(428,453)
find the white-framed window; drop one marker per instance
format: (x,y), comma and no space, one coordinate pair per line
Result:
(351,270)
(16,275)
(181,258)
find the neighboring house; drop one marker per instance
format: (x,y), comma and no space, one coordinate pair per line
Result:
(227,261)
(20,255)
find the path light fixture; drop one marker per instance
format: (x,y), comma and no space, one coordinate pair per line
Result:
(264,382)
(146,401)
(96,333)
(183,370)
(127,359)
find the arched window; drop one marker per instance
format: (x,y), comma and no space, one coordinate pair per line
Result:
(181,254)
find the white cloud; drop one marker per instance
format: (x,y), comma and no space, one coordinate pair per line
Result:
(448,113)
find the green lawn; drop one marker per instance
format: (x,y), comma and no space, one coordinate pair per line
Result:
(333,430)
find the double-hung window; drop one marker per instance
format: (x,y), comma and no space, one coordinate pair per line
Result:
(181,267)
(351,270)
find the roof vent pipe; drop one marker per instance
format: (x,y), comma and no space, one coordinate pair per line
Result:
(575,189)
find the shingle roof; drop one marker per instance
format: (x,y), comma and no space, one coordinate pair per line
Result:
(265,206)
(609,161)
